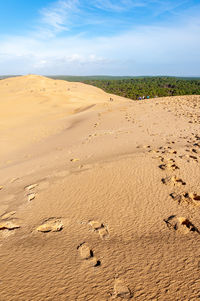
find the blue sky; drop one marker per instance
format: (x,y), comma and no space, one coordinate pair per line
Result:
(99,37)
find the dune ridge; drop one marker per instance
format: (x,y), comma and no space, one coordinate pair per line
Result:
(100,199)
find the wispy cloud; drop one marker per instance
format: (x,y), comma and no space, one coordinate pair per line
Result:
(68,15)
(159,6)
(118,6)
(72,38)
(167,6)
(57,16)
(144,50)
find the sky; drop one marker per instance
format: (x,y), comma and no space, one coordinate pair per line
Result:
(100,37)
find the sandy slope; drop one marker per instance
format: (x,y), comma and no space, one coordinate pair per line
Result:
(99,200)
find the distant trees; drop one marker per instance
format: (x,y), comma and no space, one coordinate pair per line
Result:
(148,86)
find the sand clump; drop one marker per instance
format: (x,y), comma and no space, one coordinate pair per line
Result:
(121,290)
(8,225)
(51,225)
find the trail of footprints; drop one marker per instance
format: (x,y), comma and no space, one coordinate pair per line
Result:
(186,108)
(179,224)
(120,289)
(129,118)
(99,133)
(85,251)
(173,180)
(7,221)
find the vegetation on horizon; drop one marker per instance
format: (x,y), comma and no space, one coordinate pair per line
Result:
(139,87)
(136,87)
(148,87)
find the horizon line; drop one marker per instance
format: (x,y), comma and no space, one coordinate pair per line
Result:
(98,75)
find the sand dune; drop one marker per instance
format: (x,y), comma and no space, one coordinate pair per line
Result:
(100,200)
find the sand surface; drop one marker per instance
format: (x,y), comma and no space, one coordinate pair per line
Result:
(99,199)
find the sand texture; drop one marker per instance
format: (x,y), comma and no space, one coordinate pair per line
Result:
(99,199)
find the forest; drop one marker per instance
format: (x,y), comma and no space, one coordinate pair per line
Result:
(148,87)
(141,87)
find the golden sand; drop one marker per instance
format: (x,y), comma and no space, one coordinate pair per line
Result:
(99,199)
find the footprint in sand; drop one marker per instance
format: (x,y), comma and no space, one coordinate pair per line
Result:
(172,151)
(30,197)
(147,146)
(155,151)
(74,159)
(180,224)
(193,157)
(31,194)
(7,223)
(96,124)
(170,142)
(30,187)
(196,145)
(193,150)
(189,198)
(167,160)
(173,180)
(100,228)
(121,290)
(8,215)
(51,225)
(87,254)
(168,166)
(14,180)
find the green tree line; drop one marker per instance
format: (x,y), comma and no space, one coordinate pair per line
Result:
(135,88)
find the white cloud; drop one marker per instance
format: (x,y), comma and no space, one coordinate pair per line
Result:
(56,17)
(64,15)
(144,46)
(140,50)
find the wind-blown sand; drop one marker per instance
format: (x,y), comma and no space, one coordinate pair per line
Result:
(99,199)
